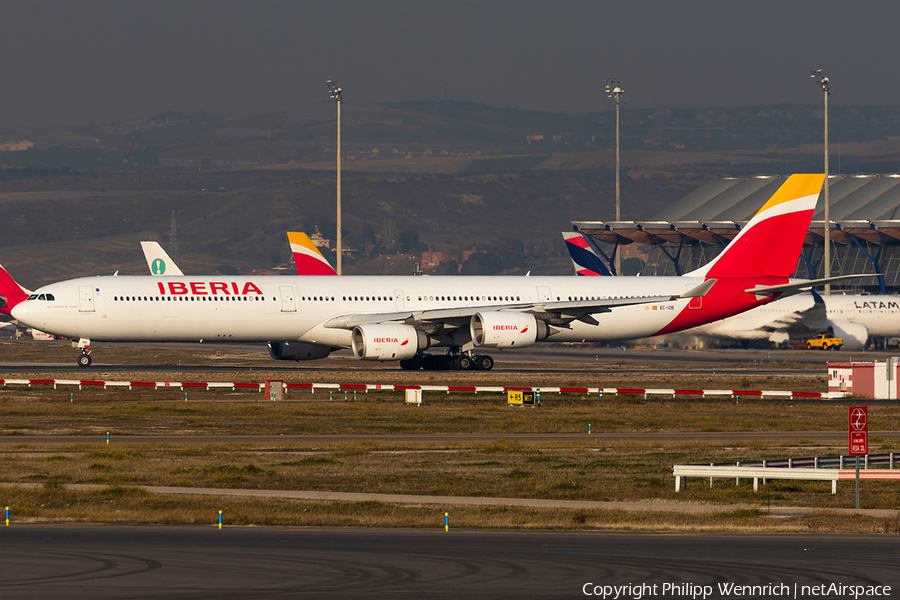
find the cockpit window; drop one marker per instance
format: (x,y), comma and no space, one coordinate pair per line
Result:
(33,297)
(50,298)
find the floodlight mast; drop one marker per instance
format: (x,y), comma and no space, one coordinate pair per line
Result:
(615,90)
(824,83)
(336,94)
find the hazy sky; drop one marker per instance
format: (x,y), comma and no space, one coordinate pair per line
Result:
(73,61)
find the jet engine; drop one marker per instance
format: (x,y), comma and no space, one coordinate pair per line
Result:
(506,329)
(855,335)
(387,341)
(297,351)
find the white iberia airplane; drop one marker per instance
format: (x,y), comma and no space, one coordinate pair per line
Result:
(398,318)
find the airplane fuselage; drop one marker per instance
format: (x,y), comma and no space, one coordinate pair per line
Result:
(287,308)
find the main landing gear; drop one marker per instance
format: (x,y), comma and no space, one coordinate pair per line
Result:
(448,362)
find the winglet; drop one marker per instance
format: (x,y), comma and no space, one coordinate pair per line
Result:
(158,260)
(11,293)
(307,258)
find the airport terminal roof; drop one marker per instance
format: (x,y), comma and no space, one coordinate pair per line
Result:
(866,206)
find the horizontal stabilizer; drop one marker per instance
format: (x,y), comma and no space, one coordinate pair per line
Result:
(797,286)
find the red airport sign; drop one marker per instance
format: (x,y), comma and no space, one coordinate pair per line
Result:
(858,430)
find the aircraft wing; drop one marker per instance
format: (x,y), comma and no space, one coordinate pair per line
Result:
(555,312)
(802,323)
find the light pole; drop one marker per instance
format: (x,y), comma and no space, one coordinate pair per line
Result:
(615,90)
(824,83)
(335,93)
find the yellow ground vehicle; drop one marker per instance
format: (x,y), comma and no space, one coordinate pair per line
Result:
(825,341)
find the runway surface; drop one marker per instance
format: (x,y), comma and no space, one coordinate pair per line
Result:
(146,562)
(718,436)
(539,358)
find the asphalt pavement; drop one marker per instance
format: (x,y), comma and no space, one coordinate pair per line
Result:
(85,562)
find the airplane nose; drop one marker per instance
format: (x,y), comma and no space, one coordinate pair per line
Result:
(18,312)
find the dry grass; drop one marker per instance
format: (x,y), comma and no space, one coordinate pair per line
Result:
(576,470)
(93,412)
(587,469)
(130,505)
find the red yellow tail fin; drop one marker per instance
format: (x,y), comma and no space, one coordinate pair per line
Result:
(771,242)
(307,258)
(11,293)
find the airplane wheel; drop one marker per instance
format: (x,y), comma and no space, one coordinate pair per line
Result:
(84,360)
(463,363)
(484,362)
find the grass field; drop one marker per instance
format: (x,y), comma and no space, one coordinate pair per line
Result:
(567,470)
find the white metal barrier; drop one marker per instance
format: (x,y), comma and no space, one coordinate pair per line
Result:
(756,473)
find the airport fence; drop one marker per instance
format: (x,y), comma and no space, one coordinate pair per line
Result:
(600,392)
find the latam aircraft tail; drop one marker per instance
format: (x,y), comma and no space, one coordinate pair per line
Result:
(11,293)
(307,258)
(584,257)
(770,244)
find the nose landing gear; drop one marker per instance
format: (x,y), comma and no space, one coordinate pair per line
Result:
(85,359)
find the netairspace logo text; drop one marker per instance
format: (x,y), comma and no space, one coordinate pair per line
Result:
(725,590)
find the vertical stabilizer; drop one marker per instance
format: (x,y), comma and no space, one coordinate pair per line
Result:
(11,293)
(583,256)
(307,258)
(159,262)
(770,243)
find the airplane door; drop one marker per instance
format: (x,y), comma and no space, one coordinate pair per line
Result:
(288,302)
(543,293)
(398,299)
(85,298)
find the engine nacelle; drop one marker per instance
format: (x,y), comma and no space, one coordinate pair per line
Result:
(506,329)
(297,351)
(387,341)
(855,335)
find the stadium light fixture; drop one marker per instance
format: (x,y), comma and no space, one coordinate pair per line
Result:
(615,90)
(337,95)
(825,84)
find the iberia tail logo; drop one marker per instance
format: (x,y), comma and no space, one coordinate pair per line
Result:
(404,342)
(524,330)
